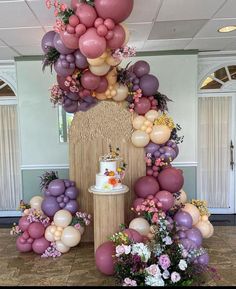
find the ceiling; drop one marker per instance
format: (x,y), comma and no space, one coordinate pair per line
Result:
(155,25)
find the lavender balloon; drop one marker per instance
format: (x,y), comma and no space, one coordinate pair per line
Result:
(203,259)
(149,84)
(80,60)
(72,206)
(72,193)
(151,148)
(70,106)
(73,96)
(195,235)
(188,244)
(48,41)
(62,71)
(59,45)
(183,218)
(50,206)
(141,68)
(56,187)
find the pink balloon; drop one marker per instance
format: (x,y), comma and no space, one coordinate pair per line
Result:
(86,13)
(104,258)
(109,23)
(102,30)
(90,81)
(24,223)
(23,247)
(98,21)
(70,29)
(25,235)
(134,235)
(70,40)
(80,29)
(103,85)
(117,10)
(166,198)
(118,38)
(171,180)
(74,4)
(138,202)
(91,44)
(40,245)
(36,230)
(73,20)
(143,106)
(145,186)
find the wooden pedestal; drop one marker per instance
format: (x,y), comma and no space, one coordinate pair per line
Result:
(109,212)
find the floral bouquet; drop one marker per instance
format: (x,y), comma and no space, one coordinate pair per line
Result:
(80,220)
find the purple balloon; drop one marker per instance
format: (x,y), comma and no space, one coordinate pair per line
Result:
(73,96)
(62,205)
(72,193)
(149,84)
(151,148)
(59,45)
(40,245)
(65,64)
(47,193)
(188,244)
(141,68)
(23,246)
(70,58)
(72,206)
(50,206)
(183,218)
(166,198)
(72,107)
(203,259)
(195,235)
(66,199)
(59,199)
(56,187)
(157,154)
(47,42)
(67,183)
(72,183)
(181,234)
(169,154)
(80,60)
(60,70)
(145,186)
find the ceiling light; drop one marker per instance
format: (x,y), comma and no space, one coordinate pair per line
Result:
(227,29)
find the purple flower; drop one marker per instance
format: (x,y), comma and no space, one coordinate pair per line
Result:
(164,261)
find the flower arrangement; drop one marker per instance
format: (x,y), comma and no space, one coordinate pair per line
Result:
(50,58)
(202,207)
(124,52)
(46,178)
(81,220)
(15,230)
(38,217)
(165,120)
(56,95)
(51,251)
(23,206)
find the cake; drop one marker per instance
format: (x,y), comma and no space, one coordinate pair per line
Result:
(111,172)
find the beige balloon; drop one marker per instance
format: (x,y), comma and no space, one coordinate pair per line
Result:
(160,134)
(49,235)
(71,236)
(100,70)
(193,211)
(141,225)
(96,61)
(151,115)
(127,33)
(138,121)
(112,77)
(100,96)
(182,199)
(61,247)
(140,138)
(204,218)
(112,61)
(121,92)
(62,218)
(36,202)
(211,230)
(204,228)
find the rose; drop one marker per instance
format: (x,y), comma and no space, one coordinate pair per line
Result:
(120,250)
(129,282)
(175,277)
(166,274)
(164,261)
(182,265)
(153,270)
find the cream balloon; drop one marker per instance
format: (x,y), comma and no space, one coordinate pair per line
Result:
(100,70)
(62,218)
(141,225)
(193,211)
(101,96)
(151,115)
(35,202)
(160,134)
(121,92)
(112,61)
(204,218)
(182,198)
(211,230)
(204,228)
(99,60)
(61,247)
(140,138)
(127,33)
(49,235)
(138,121)
(112,77)
(70,236)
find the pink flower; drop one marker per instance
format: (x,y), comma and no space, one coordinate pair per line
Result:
(120,250)
(63,7)
(56,3)
(175,277)
(155,218)
(153,270)
(48,4)
(129,282)
(164,261)
(56,12)
(143,208)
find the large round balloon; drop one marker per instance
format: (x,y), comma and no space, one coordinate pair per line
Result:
(151,148)
(60,46)
(143,106)
(71,41)
(36,230)
(70,236)
(141,68)
(90,81)
(35,202)
(91,44)
(193,211)
(149,84)
(72,206)
(22,245)
(146,186)
(40,245)
(80,60)
(118,39)
(50,206)
(171,180)
(151,115)
(24,223)
(62,218)
(56,187)
(204,228)
(104,258)
(141,225)
(62,71)
(188,244)
(117,10)
(86,13)
(61,247)
(160,134)
(166,198)
(133,235)
(72,193)
(195,235)
(183,218)
(140,138)
(121,92)
(47,41)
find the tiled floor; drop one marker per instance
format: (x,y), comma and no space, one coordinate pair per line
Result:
(78,268)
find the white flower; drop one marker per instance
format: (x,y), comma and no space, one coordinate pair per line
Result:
(168,240)
(129,282)
(184,253)
(183,265)
(127,249)
(120,250)
(153,270)
(166,274)
(154,281)
(141,250)
(175,277)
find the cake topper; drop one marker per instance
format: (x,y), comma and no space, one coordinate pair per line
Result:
(113,155)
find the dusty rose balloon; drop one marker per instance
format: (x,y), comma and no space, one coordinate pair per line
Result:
(171,180)
(117,10)
(72,193)
(183,219)
(91,44)
(47,41)
(118,38)
(70,40)
(133,235)
(24,223)
(50,206)
(40,245)
(61,82)
(90,81)
(56,187)
(36,230)
(86,13)
(143,106)
(23,246)
(103,85)
(104,258)
(166,198)
(137,202)
(59,45)
(141,68)
(149,84)
(145,186)
(80,60)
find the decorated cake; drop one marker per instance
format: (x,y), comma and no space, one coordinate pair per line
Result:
(112,171)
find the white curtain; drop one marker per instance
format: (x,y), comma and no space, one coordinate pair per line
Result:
(10,189)
(214,133)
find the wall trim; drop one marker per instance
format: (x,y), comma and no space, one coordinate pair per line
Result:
(10,214)
(66,166)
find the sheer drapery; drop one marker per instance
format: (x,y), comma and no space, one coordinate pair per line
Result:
(214,132)
(10,191)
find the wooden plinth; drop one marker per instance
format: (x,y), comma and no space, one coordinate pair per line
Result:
(109,213)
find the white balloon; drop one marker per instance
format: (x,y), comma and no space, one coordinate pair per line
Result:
(141,225)
(70,236)
(62,218)
(49,235)
(61,247)
(36,202)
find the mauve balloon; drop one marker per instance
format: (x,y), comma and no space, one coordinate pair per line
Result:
(151,148)
(103,85)
(80,60)
(72,206)
(71,41)
(171,180)
(104,258)
(72,193)
(36,230)
(149,84)
(86,13)
(203,259)
(56,187)
(195,235)
(60,70)
(137,202)
(59,45)
(72,107)
(145,186)
(73,95)
(118,39)
(141,68)
(188,244)
(23,246)
(166,198)
(50,206)
(143,106)
(24,223)
(67,183)
(47,41)
(40,245)
(183,218)
(133,235)
(90,81)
